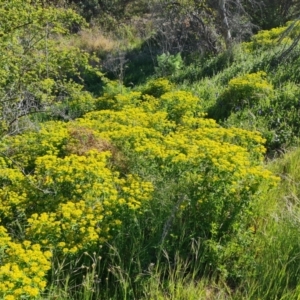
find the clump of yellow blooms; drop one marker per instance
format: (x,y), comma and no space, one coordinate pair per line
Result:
(247,90)
(23,268)
(158,87)
(179,104)
(45,141)
(270,38)
(82,195)
(73,184)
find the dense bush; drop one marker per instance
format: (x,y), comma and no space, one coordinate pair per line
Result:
(157,87)
(248,91)
(168,64)
(70,187)
(275,115)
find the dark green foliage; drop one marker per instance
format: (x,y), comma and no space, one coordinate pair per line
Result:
(273,13)
(139,67)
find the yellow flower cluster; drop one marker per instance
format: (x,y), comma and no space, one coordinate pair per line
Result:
(23,268)
(127,100)
(269,38)
(136,192)
(158,87)
(129,117)
(247,90)
(178,104)
(265,38)
(24,149)
(230,157)
(256,80)
(72,185)
(175,103)
(73,227)
(83,195)
(13,192)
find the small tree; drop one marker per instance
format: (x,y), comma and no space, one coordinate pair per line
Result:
(37,73)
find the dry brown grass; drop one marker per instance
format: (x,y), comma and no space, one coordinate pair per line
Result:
(95,41)
(92,41)
(82,140)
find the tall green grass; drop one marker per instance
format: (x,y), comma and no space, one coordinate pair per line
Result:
(133,269)
(277,271)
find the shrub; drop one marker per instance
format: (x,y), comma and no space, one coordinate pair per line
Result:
(201,172)
(168,64)
(278,122)
(178,104)
(265,39)
(157,87)
(51,193)
(248,91)
(186,178)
